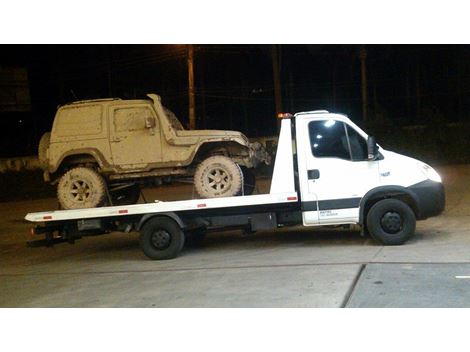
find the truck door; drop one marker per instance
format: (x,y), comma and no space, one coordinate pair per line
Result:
(134,136)
(334,172)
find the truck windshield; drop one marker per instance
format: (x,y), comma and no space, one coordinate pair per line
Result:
(175,123)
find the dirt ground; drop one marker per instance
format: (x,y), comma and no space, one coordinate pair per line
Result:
(286,268)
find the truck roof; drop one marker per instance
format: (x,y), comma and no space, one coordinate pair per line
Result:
(326,113)
(313,112)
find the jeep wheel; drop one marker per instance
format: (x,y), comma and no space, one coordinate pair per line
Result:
(42,150)
(218,176)
(81,187)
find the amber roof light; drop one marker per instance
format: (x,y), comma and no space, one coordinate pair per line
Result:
(284,115)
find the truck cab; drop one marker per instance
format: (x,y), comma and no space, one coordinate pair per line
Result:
(343,173)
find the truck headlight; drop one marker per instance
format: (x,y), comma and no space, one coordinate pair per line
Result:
(430,173)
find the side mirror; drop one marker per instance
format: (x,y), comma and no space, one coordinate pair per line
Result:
(150,122)
(372,148)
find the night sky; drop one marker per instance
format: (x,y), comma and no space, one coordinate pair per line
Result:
(407,84)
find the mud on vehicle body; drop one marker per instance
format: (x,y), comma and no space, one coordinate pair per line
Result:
(127,143)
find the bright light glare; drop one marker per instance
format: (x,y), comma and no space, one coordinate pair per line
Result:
(319,136)
(329,123)
(431,173)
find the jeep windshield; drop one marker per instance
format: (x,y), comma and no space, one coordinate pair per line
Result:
(175,123)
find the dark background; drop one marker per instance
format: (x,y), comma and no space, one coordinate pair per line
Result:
(417,94)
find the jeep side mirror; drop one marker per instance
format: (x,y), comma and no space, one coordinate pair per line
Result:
(372,148)
(150,122)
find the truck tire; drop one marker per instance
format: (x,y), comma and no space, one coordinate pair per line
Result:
(42,150)
(81,187)
(161,238)
(249,181)
(218,176)
(391,222)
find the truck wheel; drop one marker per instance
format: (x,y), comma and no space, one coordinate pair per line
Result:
(161,238)
(125,196)
(218,176)
(42,150)
(81,187)
(391,222)
(249,181)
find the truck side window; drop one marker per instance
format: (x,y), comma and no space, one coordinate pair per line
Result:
(328,139)
(357,143)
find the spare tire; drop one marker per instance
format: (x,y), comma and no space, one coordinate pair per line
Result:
(42,150)
(81,187)
(218,176)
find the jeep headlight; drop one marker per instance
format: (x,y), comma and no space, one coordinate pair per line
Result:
(430,173)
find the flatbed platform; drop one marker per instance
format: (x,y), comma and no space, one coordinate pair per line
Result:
(163,207)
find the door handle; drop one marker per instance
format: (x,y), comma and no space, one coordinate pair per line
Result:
(116,140)
(313,174)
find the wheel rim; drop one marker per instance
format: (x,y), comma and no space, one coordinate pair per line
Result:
(160,239)
(391,222)
(218,179)
(80,190)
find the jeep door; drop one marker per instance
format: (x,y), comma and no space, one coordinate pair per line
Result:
(134,141)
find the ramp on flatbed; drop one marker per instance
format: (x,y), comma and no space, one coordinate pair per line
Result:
(426,285)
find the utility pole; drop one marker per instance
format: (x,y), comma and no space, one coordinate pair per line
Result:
(277,78)
(362,57)
(109,72)
(192,100)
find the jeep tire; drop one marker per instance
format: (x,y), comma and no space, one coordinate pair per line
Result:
(81,187)
(218,176)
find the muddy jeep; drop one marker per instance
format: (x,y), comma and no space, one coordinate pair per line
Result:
(103,151)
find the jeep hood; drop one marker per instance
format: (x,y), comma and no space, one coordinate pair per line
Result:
(218,135)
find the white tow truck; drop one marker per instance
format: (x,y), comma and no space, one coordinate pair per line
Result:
(327,171)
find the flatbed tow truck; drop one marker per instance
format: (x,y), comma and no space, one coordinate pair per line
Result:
(327,171)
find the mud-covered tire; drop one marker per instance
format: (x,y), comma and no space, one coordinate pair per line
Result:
(161,238)
(391,222)
(249,181)
(42,150)
(81,187)
(218,176)
(127,196)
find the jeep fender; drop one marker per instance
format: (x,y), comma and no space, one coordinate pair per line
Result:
(94,153)
(233,148)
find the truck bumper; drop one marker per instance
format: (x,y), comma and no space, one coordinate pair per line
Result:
(430,198)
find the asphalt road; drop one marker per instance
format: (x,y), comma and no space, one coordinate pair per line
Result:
(287,268)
